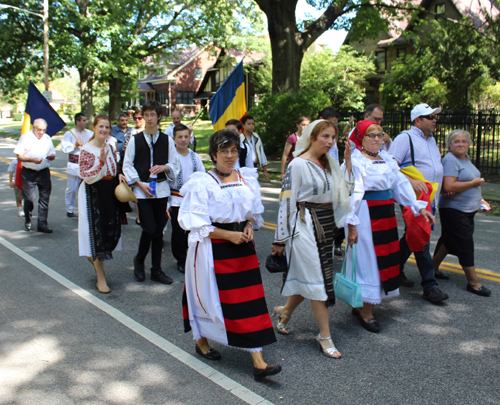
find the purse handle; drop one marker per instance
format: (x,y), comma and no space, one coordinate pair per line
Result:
(344,265)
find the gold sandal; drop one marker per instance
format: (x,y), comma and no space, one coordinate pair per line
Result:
(281,327)
(331,351)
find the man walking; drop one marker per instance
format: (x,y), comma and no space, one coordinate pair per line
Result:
(418,146)
(71,144)
(121,132)
(176,120)
(150,159)
(35,150)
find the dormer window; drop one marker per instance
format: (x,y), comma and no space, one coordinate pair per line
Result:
(440,9)
(160,71)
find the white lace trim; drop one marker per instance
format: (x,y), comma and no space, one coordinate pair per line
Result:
(352,219)
(198,209)
(198,234)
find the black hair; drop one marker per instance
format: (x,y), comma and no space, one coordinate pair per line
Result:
(123,115)
(137,110)
(328,112)
(180,127)
(246,118)
(236,123)
(222,139)
(152,105)
(371,107)
(79,116)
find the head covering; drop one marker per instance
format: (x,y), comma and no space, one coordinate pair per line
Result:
(359,132)
(305,140)
(423,109)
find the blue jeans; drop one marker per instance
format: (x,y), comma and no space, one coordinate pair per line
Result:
(424,263)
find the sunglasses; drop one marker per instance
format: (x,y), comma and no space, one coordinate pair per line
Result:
(138,118)
(430,117)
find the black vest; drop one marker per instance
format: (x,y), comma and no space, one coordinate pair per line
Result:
(142,159)
(243,155)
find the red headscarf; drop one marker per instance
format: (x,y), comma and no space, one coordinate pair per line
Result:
(359,132)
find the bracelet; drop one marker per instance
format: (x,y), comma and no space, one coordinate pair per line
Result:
(249,223)
(278,244)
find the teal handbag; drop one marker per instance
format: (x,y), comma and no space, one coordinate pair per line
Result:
(346,289)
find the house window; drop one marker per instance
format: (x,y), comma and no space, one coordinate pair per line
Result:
(402,52)
(380,61)
(440,9)
(185,97)
(143,73)
(162,97)
(197,74)
(160,71)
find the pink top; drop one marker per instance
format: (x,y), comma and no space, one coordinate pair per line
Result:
(293,140)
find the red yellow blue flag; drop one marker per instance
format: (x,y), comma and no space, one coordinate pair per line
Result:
(229,101)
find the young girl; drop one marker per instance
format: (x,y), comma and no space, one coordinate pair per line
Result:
(302,122)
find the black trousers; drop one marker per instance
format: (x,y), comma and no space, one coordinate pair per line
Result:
(179,239)
(339,237)
(31,180)
(153,217)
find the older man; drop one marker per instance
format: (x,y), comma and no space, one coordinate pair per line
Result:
(122,133)
(418,147)
(35,150)
(176,119)
(71,144)
(373,112)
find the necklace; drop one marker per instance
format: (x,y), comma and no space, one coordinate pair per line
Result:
(219,173)
(373,154)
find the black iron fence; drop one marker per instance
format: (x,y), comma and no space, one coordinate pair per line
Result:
(483,126)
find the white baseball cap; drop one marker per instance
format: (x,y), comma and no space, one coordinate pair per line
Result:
(423,109)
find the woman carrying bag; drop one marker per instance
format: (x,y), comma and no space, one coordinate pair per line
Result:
(377,184)
(314,196)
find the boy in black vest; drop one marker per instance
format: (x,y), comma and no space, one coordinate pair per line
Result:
(150,159)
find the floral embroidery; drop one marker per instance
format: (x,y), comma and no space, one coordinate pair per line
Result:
(326,183)
(315,184)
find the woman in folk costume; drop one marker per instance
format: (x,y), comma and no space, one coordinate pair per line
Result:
(377,183)
(99,214)
(314,196)
(224,298)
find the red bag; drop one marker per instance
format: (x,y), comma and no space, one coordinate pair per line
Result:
(19,179)
(418,230)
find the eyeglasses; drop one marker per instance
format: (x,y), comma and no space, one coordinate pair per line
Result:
(138,118)
(430,117)
(373,136)
(225,152)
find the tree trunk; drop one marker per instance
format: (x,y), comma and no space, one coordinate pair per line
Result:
(286,46)
(86,86)
(115,97)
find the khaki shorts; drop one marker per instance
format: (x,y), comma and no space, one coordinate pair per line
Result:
(19,193)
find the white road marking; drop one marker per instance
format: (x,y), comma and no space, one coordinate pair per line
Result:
(184,357)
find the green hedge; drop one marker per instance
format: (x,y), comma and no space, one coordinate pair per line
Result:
(18,116)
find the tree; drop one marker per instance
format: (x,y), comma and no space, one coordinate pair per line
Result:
(340,76)
(290,39)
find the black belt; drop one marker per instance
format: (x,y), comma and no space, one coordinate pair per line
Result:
(36,171)
(232,226)
(157,181)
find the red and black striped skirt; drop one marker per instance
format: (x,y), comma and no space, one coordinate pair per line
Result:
(385,236)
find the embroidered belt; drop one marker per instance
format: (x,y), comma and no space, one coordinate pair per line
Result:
(312,208)
(73,158)
(157,181)
(107,178)
(175,193)
(378,195)
(232,226)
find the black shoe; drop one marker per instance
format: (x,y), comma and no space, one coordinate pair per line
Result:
(211,354)
(435,295)
(70,215)
(441,275)
(338,251)
(28,226)
(482,291)
(181,268)
(371,325)
(260,373)
(139,273)
(404,281)
(161,277)
(44,229)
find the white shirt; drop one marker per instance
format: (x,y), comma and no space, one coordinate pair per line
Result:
(68,146)
(248,158)
(32,147)
(129,171)
(170,132)
(188,164)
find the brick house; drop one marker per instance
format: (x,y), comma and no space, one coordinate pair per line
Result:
(174,81)
(391,45)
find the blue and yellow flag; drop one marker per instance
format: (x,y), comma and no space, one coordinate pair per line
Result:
(37,106)
(229,101)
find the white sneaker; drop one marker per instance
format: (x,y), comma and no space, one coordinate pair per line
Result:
(20,214)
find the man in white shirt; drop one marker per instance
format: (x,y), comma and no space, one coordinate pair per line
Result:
(71,143)
(151,159)
(35,150)
(254,146)
(176,119)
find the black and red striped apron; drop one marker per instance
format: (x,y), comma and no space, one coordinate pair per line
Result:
(385,236)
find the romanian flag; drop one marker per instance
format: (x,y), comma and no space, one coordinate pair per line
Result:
(229,101)
(37,106)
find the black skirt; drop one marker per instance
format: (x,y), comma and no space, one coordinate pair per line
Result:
(457,230)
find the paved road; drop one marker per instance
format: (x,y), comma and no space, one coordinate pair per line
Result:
(61,342)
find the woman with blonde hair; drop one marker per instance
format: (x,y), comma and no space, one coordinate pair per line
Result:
(314,198)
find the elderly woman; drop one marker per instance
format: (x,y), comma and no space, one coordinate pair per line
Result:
(99,214)
(224,298)
(314,195)
(377,183)
(462,179)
